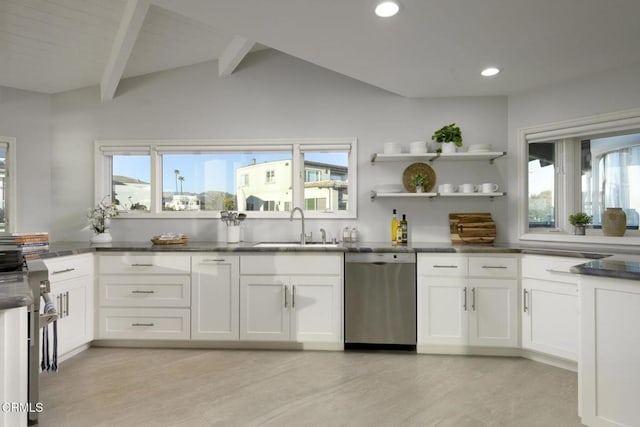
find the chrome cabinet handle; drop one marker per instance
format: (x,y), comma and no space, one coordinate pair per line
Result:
(142,292)
(524,301)
(214,260)
(60,312)
(142,324)
(66,303)
(473,299)
(494,266)
(293,296)
(141,265)
(285,295)
(445,266)
(465,298)
(66,270)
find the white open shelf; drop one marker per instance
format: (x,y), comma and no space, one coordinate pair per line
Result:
(376,194)
(403,157)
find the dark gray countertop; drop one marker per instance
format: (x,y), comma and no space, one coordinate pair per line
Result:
(613,268)
(630,269)
(14,290)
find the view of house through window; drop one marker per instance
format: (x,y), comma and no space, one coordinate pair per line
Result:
(596,174)
(610,177)
(215,178)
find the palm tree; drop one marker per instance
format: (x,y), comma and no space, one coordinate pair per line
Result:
(176,172)
(181,179)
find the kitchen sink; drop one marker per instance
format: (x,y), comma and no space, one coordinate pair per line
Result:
(295,245)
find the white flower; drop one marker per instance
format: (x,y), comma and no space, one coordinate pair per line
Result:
(98,216)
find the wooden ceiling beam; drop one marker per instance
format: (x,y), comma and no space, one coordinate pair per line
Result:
(233,54)
(132,19)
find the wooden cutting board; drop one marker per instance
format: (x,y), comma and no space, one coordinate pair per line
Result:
(475,227)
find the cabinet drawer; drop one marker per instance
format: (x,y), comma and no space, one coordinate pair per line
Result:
(493,267)
(70,267)
(299,264)
(442,265)
(550,268)
(144,264)
(145,291)
(144,323)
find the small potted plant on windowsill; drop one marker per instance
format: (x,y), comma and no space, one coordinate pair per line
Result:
(580,220)
(419,180)
(450,135)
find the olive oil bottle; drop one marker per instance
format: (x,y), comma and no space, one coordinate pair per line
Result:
(394,227)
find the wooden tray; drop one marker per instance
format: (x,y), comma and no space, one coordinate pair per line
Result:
(157,241)
(472,228)
(415,168)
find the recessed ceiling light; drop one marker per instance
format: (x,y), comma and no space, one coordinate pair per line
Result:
(491,71)
(387,9)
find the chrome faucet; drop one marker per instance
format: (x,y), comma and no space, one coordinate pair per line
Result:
(324,235)
(303,237)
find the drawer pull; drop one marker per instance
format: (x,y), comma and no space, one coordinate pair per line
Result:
(552,271)
(214,260)
(142,324)
(141,265)
(445,266)
(143,292)
(66,270)
(494,266)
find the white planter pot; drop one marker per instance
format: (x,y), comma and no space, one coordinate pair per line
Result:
(102,238)
(448,147)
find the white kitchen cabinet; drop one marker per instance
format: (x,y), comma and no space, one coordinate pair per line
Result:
(144,296)
(264,308)
(608,378)
(72,291)
(13,365)
(278,303)
(215,310)
(550,306)
(462,301)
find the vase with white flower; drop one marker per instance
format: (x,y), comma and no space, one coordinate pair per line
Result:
(100,218)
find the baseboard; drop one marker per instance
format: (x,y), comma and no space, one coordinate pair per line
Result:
(225,345)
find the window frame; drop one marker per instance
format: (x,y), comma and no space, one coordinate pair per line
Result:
(568,173)
(103,167)
(10,199)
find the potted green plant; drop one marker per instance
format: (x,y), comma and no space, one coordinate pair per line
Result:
(579,220)
(448,134)
(419,180)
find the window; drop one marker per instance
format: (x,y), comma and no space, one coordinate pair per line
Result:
(7,184)
(183,178)
(271,175)
(584,165)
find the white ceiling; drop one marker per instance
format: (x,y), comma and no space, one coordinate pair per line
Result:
(431,48)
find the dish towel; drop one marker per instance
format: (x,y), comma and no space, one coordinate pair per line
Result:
(49,353)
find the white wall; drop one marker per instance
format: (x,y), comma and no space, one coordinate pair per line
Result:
(608,92)
(25,116)
(271,95)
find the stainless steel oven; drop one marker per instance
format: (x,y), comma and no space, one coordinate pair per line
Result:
(380,300)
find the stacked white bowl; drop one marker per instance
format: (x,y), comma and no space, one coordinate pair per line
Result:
(392,148)
(417,147)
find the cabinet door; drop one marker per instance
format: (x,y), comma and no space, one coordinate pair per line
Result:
(74,302)
(493,312)
(215,300)
(316,308)
(442,315)
(264,308)
(550,318)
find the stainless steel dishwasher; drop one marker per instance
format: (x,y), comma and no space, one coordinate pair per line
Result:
(380,300)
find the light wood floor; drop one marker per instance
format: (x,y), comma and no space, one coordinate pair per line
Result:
(194,387)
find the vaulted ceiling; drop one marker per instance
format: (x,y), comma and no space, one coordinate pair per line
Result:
(431,48)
